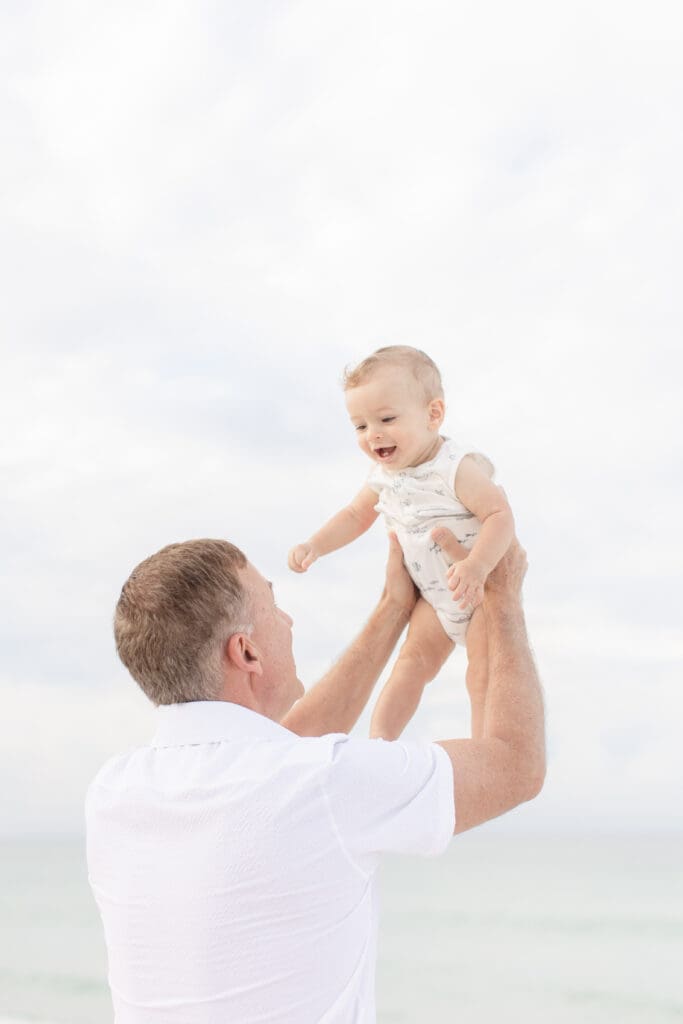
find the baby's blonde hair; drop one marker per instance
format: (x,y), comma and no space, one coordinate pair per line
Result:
(423,369)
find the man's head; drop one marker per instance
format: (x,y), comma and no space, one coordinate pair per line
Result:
(196,621)
(395,402)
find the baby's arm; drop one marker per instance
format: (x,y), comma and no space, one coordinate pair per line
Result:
(488,502)
(347,525)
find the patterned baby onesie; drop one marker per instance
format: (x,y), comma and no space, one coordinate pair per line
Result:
(413,502)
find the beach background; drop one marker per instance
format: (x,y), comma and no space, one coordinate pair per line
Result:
(208,210)
(536,929)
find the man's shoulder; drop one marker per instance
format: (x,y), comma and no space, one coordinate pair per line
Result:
(315,747)
(361,748)
(335,751)
(116,768)
(341,745)
(385,765)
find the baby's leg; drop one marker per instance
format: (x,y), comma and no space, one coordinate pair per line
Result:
(477,669)
(425,650)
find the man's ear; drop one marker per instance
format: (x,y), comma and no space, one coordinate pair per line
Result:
(244,654)
(437,411)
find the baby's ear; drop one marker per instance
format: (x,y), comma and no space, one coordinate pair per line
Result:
(437,411)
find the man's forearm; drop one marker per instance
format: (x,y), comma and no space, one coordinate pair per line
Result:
(514,699)
(335,703)
(506,766)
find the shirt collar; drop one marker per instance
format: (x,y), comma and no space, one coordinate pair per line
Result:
(210,721)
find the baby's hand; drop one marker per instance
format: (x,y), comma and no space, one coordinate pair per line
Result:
(301,557)
(466,579)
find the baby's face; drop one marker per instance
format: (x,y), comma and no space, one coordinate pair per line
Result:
(394,424)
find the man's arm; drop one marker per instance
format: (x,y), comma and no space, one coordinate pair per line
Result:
(335,703)
(507,766)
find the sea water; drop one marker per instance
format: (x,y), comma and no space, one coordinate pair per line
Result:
(581,929)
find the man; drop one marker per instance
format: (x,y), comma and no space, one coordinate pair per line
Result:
(233,859)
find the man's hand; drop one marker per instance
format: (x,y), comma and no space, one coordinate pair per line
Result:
(301,557)
(398,586)
(453,550)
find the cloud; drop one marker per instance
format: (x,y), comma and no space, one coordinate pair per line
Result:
(207,213)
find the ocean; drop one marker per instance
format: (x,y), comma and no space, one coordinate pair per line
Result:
(501,928)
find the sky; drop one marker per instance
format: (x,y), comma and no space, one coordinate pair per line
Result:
(207,211)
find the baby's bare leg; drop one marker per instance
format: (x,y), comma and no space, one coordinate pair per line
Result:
(425,650)
(477,670)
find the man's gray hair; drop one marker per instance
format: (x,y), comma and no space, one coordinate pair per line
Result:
(176,612)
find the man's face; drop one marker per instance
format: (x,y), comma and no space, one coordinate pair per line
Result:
(279,685)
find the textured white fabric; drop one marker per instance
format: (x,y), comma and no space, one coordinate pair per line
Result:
(233,864)
(416,500)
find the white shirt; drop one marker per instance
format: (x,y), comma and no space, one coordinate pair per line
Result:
(233,863)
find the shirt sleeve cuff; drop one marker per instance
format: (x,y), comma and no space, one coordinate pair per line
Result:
(446,815)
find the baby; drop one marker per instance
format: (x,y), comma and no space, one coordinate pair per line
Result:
(421,481)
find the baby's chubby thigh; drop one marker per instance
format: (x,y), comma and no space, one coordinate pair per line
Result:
(427,645)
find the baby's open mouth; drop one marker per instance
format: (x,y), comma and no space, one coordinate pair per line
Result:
(385,453)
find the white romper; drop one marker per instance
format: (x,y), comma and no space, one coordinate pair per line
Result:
(416,500)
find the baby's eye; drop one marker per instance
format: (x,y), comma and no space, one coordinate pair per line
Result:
(360,426)
(388,419)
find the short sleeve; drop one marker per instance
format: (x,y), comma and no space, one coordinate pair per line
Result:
(456,453)
(391,797)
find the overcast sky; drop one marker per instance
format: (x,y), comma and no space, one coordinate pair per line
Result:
(208,210)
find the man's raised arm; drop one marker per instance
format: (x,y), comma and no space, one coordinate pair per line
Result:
(335,703)
(507,766)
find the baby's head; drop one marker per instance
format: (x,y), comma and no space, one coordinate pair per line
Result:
(395,401)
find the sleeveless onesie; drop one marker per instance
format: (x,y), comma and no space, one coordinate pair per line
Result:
(414,501)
